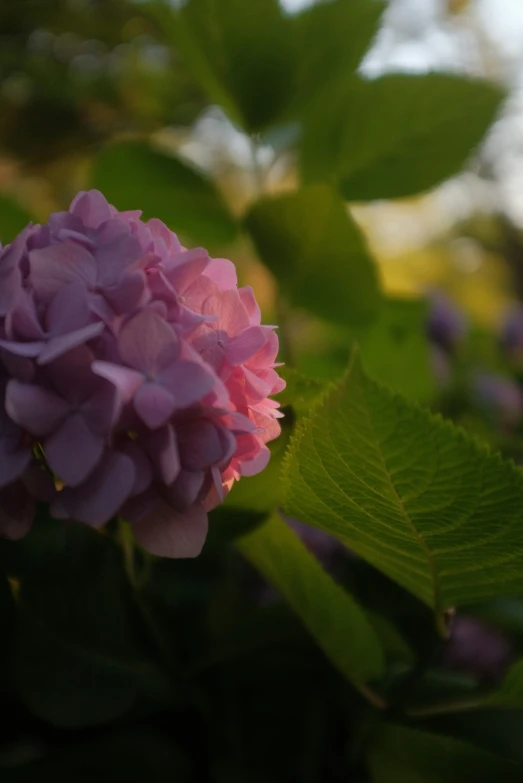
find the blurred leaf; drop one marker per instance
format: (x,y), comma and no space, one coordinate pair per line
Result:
(510,692)
(127,755)
(226,524)
(416,497)
(332,39)
(76,661)
(317,253)
(241,53)
(396,135)
(301,392)
(395,349)
(133,175)
(12,219)
(331,615)
(398,753)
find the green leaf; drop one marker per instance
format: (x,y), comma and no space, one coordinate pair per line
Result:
(395,349)
(397,753)
(12,219)
(133,175)
(396,135)
(332,39)
(416,497)
(510,692)
(336,621)
(317,253)
(76,660)
(241,53)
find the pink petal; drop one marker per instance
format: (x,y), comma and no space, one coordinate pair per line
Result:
(162,448)
(54,266)
(243,347)
(91,207)
(148,343)
(232,315)
(99,498)
(73,451)
(223,272)
(186,267)
(154,404)
(187,381)
(33,408)
(248,300)
(167,533)
(127,381)
(257,464)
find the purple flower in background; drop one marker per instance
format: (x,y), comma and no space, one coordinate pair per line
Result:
(500,396)
(477,649)
(446,323)
(511,337)
(135,377)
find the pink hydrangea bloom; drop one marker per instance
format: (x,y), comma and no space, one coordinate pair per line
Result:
(135,377)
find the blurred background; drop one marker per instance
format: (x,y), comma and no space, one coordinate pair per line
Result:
(78,75)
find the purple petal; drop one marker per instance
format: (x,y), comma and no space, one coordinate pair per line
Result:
(186,489)
(142,467)
(10,276)
(126,380)
(127,294)
(12,464)
(27,350)
(23,323)
(167,533)
(162,448)
(91,207)
(99,498)
(54,266)
(148,343)
(73,451)
(57,346)
(17,510)
(199,444)
(68,309)
(187,381)
(33,408)
(154,405)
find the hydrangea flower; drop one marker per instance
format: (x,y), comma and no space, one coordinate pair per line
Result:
(135,377)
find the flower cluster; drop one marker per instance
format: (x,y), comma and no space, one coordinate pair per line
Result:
(135,377)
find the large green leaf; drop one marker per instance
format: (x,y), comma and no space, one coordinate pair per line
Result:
(396,135)
(397,753)
(133,175)
(336,621)
(76,659)
(417,498)
(241,53)
(317,252)
(332,39)
(395,349)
